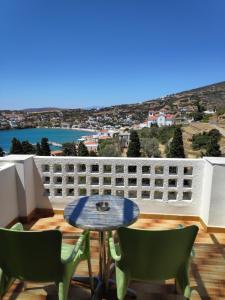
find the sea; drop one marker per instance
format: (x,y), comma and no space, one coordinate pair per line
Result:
(34,135)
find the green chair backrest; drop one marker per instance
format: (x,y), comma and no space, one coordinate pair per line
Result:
(155,255)
(31,255)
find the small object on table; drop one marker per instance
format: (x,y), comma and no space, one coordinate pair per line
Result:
(102,206)
(102,214)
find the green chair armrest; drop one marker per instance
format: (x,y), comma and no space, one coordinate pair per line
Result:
(113,248)
(5,282)
(17,227)
(180,226)
(193,252)
(81,248)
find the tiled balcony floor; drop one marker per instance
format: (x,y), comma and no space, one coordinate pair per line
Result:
(207,269)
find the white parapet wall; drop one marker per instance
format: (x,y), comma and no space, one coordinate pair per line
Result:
(213,195)
(24,165)
(165,186)
(9,209)
(184,187)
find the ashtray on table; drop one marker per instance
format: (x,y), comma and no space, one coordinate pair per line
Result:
(102,206)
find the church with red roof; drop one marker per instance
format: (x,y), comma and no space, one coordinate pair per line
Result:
(161,119)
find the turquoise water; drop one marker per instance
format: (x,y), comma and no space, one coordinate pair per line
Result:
(34,135)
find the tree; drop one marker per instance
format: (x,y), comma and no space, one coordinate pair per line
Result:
(200,107)
(38,149)
(45,149)
(213,148)
(134,145)
(199,114)
(69,149)
(82,150)
(176,147)
(150,147)
(200,140)
(146,132)
(2,153)
(215,134)
(27,148)
(92,153)
(109,151)
(16,147)
(207,140)
(109,148)
(165,133)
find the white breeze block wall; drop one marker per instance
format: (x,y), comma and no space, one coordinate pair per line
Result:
(157,185)
(165,186)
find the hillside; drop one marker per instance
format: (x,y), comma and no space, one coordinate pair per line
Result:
(211,97)
(180,104)
(196,128)
(42,109)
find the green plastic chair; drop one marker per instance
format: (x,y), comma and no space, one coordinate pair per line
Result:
(39,256)
(152,255)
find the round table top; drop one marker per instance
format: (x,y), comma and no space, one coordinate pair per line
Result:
(83,213)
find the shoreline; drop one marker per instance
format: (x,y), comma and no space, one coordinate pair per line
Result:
(74,134)
(76,129)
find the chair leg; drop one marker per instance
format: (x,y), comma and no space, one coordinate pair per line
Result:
(60,291)
(90,274)
(5,283)
(63,289)
(182,284)
(122,282)
(24,286)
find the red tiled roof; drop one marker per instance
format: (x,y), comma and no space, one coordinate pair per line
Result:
(90,143)
(104,137)
(168,116)
(152,118)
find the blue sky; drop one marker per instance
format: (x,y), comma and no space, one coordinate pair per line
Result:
(80,53)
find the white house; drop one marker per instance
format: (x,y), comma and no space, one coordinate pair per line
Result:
(91,145)
(161,119)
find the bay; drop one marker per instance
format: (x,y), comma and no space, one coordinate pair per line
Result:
(34,135)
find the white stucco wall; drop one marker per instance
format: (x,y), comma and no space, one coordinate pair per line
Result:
(24,187)
(217,201)
(8,194)
(206,191)
(24,165)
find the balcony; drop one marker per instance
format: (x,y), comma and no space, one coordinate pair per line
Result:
(168,192)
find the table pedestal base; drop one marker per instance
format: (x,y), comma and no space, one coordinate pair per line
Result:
(99,292)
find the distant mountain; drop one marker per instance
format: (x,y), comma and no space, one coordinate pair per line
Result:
(42,109)
(210,96)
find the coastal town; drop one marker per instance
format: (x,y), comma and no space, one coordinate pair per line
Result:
(100,127)
(181,108)
(196,111)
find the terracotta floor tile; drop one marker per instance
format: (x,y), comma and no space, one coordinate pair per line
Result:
(207,274)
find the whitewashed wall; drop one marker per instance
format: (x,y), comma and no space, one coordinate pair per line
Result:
(215,191)
(8,193)
(157,185)
(193,187)
(25,185)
